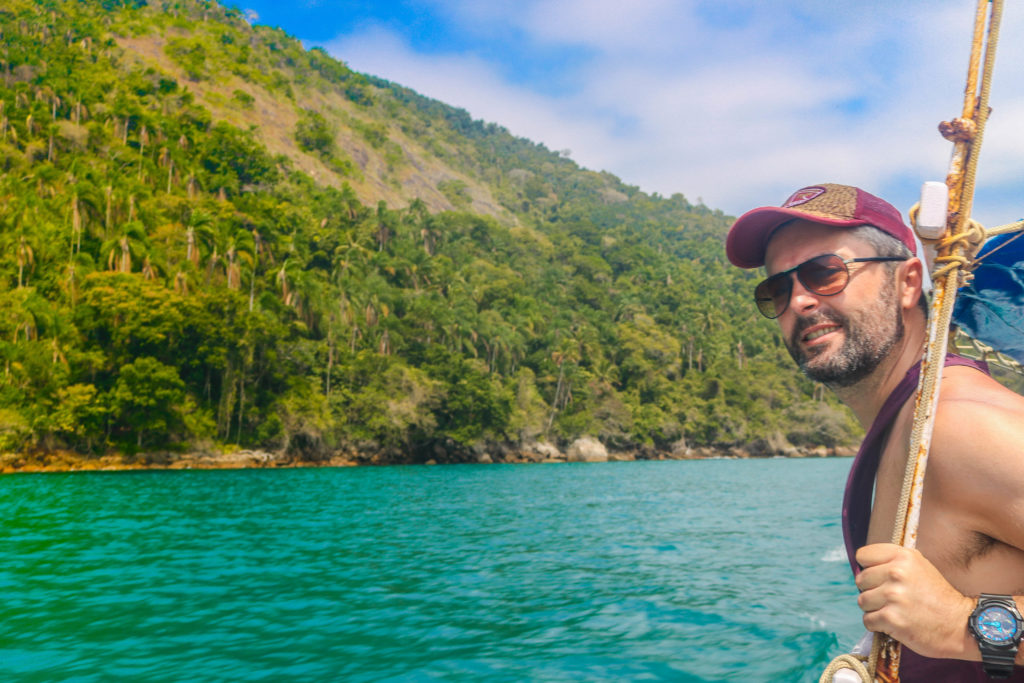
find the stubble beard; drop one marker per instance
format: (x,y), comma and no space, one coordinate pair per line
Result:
(870,334)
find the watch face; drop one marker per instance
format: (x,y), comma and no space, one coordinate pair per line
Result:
(996,624)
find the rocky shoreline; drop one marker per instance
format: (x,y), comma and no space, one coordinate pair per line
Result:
(586,449)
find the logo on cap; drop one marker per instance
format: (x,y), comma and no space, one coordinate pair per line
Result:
(803,196)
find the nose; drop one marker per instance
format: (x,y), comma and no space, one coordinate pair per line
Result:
(801,299)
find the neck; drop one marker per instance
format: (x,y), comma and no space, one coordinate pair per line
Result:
(866,397)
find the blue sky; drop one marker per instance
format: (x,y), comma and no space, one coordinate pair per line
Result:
(732,102)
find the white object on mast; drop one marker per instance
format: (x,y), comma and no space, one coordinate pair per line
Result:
(931,218)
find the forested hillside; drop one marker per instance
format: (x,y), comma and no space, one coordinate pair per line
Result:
(211,236)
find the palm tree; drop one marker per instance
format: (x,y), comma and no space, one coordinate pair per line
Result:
(83,207)
(48,180)
(384,228)
(165,160)
(143,141)
(297,288)
(108,218)
(567,353)
(352,205)
(198,231)
(76,223)
(25,257)
(349,255)
(257,244)
(149,270)
(419,216)
(121,249)
(347,315)
(78,266)
(239,244)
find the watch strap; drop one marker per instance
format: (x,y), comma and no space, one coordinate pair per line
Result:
(998,664)
(998,660)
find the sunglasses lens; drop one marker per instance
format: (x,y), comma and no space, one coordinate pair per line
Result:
(825,275)
(772,295)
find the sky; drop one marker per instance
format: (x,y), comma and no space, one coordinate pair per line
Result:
(733,103)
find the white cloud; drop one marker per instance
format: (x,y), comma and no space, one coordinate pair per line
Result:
(469,83)
(607,25)
(737,106)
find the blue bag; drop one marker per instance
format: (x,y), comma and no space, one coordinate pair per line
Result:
(991,307)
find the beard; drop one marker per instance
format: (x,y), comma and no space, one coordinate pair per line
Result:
(870,334)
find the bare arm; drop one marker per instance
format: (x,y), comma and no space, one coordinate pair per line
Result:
(974,504)
(905,596)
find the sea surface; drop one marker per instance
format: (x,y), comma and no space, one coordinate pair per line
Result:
(716,570)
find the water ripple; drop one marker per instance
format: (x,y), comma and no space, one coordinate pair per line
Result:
(680,571)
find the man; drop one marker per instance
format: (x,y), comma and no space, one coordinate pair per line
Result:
(845,287)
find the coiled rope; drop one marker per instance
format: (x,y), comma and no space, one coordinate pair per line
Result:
(955,252)
(851,662)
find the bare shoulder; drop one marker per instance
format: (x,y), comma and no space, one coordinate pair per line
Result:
(977,448)
(967,394)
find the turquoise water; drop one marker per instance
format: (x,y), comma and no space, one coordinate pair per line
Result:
(649,571)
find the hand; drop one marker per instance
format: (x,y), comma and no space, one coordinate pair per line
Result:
(905,596)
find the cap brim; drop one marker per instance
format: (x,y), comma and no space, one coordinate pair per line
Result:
(748,237)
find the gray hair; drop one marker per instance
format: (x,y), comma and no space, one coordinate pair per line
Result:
(885,244)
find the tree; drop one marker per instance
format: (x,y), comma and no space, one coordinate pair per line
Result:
(148,399)
(129,244)
(315,134)
(577,301)
(26,258)
(238,245)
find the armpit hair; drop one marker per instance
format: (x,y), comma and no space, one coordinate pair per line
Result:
(979,546)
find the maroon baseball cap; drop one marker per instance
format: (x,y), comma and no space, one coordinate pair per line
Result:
(828,204)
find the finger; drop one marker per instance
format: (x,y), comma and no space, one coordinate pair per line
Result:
(877,553)
(876,622)
(872,600)
(872,577)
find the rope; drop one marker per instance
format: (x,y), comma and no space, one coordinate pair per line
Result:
(963,233)
(852,662)
(986,353)
(958,249)
(1009,227)
(962,229)
(955,252)
(1001,230)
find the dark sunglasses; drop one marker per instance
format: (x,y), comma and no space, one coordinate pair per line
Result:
(824,275)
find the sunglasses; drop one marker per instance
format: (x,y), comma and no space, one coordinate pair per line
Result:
(824,275)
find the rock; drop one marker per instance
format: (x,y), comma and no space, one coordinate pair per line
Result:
(621,457)
(539,451)
(738,452)
(648,452)
(587,449)
(680,451)
(485,458)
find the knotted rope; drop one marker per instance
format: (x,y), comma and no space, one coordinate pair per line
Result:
(955,252)
(851,662)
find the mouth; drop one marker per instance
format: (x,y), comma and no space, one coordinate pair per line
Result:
(819,332)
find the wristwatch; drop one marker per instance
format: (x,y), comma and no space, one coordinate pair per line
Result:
(997,626)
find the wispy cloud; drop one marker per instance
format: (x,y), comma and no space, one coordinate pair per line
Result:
(736,102)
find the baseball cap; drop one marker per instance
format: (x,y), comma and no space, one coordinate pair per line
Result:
(828,204)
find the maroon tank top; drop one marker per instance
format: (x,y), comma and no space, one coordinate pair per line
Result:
(857,515)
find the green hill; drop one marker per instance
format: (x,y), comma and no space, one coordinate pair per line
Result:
(210,235)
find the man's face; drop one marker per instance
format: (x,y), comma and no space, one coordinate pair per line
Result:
(837,340)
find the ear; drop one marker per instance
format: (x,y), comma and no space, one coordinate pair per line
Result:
(910,282)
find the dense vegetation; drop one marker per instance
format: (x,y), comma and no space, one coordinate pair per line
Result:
(168,282)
